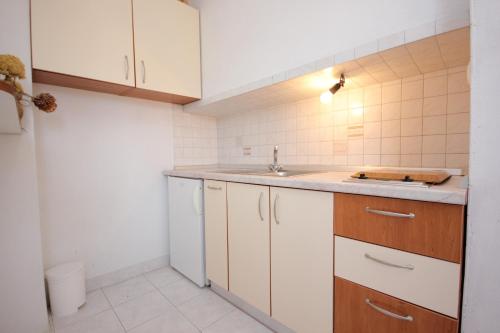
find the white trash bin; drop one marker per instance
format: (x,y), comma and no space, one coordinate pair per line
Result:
(66,284)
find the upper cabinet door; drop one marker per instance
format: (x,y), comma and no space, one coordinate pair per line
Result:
(167,47)
(90,39)
(302,259)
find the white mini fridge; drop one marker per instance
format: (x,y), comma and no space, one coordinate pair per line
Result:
(186,228)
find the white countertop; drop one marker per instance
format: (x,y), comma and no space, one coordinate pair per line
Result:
(453,191)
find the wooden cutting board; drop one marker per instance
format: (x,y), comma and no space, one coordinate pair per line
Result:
(432,177)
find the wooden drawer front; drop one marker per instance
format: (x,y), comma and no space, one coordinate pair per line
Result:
(428,282)
(436,230)
(354,314)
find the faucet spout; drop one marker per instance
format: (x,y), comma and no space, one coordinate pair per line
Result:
(275,167)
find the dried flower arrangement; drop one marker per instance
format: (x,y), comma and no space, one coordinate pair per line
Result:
(12,68)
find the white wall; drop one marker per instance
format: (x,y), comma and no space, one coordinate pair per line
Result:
(481,311)
(22,295)
(103,197)
(248,40)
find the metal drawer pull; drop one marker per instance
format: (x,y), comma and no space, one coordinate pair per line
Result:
(143,71)
(388,313)
(276,209)
(392,214)
(383,262)
(127,68)
(217,188)
(260,205)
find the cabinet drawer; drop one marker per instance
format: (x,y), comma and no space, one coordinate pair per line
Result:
(424,281)
(359,309)
(427,228)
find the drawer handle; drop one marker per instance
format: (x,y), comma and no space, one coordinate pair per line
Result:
(383,262)
(392,214)
(217,188)
(388,313)
(261,196)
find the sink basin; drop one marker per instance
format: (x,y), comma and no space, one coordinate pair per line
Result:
(287,173)
(256,172)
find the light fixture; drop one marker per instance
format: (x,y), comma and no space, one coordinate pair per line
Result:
(327,96)
(336,87)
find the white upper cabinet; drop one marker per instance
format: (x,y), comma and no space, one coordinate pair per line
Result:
(167,47)
(90,39)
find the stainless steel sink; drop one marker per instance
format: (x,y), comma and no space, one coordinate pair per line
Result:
(281,173)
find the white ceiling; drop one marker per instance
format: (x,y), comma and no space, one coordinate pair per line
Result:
(431,54)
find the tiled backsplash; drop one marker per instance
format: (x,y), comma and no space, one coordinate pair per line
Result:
(195,139)
(422,121)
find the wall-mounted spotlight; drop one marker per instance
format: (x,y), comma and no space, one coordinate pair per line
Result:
(326,97)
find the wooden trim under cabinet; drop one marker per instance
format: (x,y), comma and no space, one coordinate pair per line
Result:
(435,229)
(353,313)
(64,80)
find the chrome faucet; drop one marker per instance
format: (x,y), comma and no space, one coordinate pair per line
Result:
(275,167)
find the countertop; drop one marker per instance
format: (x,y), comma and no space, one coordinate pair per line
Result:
(453,191)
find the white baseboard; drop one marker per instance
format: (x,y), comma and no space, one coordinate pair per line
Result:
(126,273)
(258,315)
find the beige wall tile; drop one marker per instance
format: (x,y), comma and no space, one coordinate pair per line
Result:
(373,130)
(355,146)
(373,113)
(411,126)
(411,145)
(434,160)
(457,144)
(412,90)
(391,111)
(390,160)
(391,93)
(413,108)
(435,86)
(434,144)
(434,125)
(457,123)
(457,82)
(373,95)
(372,160)
(459,103)
(372,146)
(355,160)
(460,161)
(391,146)
(391,128)
(411,161)
(434,105)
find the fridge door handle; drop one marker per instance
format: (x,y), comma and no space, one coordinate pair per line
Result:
(197,200)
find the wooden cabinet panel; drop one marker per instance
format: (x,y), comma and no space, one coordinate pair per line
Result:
(216,232)
(91,39)
(436,230)
(248,244)
(167,47)
(302,259)
(354,314)
(428,282)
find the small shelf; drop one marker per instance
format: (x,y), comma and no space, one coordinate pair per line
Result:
(10,123)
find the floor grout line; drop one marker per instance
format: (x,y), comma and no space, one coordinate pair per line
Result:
(114,311)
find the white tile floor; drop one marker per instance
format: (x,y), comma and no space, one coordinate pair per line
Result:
(161,301)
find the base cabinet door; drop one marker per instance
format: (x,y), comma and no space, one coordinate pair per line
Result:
(216,232)
(359,309)
(302,259)
(248,244)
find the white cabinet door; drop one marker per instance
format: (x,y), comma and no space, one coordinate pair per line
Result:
(90,39)
(167,47)
(216,232)
(248,236)
(302,259)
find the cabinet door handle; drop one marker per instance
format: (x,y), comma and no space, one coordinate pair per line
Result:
(127,67)
(261,196)
(388,313)
(386,263)
(143,71)
(391,214)
(216,188)
(275,210)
